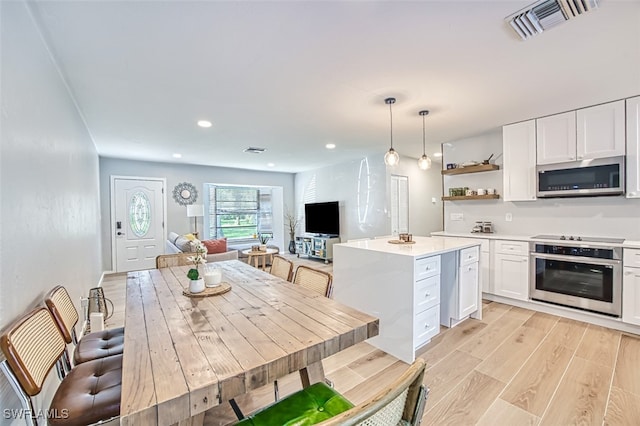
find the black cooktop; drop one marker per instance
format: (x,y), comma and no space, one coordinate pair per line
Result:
(579,238)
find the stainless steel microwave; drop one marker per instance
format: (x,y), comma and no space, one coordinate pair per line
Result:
(602,176)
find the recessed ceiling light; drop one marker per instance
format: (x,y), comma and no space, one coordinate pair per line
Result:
(176,155)
(204,123)
(437,154)
(270,164)
(330,146)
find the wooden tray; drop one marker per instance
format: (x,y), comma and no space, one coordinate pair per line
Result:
(400,242)
(209,291)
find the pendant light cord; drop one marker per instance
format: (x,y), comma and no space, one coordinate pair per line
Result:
(423,136)
(391,122)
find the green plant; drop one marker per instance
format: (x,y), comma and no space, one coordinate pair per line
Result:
(264,237)
(199,258)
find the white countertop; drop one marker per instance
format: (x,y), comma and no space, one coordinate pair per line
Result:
(424,246)
(491,236)
(529,238)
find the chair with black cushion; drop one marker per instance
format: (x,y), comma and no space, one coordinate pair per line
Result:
(88,394)
(400,403)
(92,346)
(314,279)
(281,267)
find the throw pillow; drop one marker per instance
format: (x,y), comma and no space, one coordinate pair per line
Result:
(190,237)
(183,244)
(216,246)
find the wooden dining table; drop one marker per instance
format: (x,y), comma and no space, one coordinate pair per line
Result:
(184,355)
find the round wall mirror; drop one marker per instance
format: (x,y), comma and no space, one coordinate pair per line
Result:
(185,193)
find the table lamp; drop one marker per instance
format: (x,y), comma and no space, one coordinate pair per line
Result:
(195,211)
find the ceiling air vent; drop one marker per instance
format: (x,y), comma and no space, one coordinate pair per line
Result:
(545,14)
(254,150)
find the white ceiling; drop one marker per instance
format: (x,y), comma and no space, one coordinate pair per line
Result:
(293,76)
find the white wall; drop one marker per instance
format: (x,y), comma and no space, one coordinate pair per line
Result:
(591,216)
(361,186)
(177,220)
(50,215)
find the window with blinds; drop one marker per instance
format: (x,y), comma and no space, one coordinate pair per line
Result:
(239,212)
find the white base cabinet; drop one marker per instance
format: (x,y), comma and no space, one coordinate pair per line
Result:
(631,287)
(409,291)
(511,269)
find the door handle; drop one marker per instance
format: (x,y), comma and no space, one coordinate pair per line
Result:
(119,233)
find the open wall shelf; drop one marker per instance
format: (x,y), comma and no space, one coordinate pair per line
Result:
(471,169)
(472,197)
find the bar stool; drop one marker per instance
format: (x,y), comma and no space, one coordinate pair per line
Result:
(92,346)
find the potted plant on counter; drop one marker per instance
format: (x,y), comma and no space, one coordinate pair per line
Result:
(199,257)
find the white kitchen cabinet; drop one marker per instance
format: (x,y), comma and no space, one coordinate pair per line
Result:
(519,164)
(406,287)
(511,269)
(631,296)
(601,131)
(468,289)
(556,138)
(633,147)
(631,286)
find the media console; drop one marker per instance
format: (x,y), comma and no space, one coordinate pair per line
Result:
(318,247)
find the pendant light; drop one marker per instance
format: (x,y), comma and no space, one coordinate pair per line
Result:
(424,162)
(391,158)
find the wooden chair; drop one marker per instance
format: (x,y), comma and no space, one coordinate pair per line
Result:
(92,346)
(177,259)
(281,267)
(88,394)
(400,403)
(314,279)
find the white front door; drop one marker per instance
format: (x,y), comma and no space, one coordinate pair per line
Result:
(137,222)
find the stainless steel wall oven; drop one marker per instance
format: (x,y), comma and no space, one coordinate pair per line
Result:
(581,274)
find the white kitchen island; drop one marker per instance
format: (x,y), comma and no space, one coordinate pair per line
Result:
(412,289)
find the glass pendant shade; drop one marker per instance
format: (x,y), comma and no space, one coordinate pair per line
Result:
(391,158)
(424,162)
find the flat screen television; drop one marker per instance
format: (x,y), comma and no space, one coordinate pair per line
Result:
(322,218)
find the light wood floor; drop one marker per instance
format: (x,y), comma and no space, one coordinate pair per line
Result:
(515,367)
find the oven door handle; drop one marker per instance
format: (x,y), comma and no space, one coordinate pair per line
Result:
(577,259)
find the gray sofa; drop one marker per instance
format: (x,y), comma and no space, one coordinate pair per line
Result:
(178,244)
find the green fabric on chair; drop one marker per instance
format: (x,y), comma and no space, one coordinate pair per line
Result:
(309,406)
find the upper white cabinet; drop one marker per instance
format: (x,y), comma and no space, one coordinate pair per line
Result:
(519,150)
(588,133)
(600,131)
(556,138)
(633,147)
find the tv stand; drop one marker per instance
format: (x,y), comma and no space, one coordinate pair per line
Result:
(320,247)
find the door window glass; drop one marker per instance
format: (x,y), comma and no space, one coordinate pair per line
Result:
(140,214)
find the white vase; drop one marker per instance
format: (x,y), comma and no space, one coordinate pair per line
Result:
(196,286)
(263,247)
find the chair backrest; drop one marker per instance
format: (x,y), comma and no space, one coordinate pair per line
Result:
(281,267)
(63,311)
(177,259)
(314,279)
(32,346)
(401,402)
